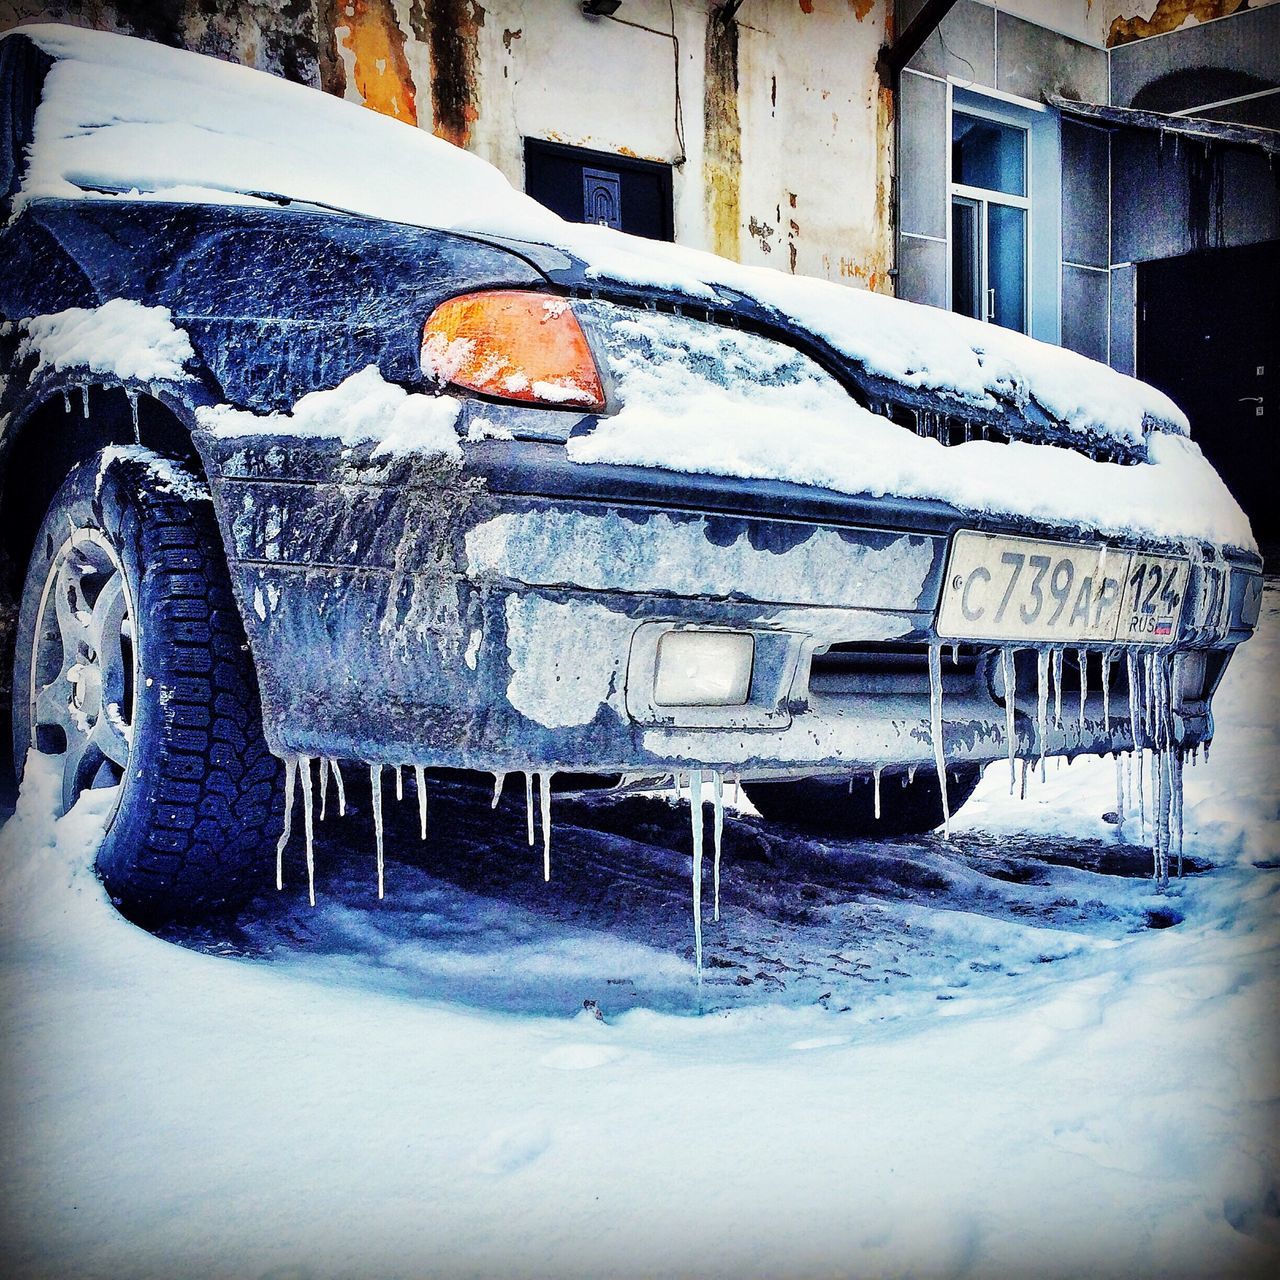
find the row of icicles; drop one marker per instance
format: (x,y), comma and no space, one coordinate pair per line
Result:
(298,770)
(1150,686)
(1150,698)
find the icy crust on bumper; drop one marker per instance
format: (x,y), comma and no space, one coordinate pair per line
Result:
(400,611)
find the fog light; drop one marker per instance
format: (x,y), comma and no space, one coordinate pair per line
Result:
(703,669)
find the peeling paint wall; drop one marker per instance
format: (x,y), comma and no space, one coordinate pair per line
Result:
(371,45)
(1108,23)
(1134,20)
(817,140)
(782,143)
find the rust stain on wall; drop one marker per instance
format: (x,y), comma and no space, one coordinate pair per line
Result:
(369,31)
(1169,15)
(722,136)
(793,232)
(883,223)
(452,31)
(861,8)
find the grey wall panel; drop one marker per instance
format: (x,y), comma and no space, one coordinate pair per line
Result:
(963,45)
(922,271)
(1174,196)
(1124,283)
(1196,64)
(1085,181)
(1262,112)
(922,155)
(1084,311)
(1032,61)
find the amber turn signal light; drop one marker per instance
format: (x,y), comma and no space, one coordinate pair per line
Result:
(513,345)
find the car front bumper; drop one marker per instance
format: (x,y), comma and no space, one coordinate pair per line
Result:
(505,615)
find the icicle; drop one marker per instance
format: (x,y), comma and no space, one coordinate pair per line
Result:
(910,775)
(342,791)
(737,790)
(1009,668)
(1056,660)
(1177,803)
(717,796)
(66,401)
(84,399)
(420,782)
(290,775)
(133,409)
(1148,679)
(304,768)
(399,784)
(1022,791)
(1142,804)
(935,732)
(875,776)
(1082,661)
(499,780)
(1162,780)
(544,795)
(1042,703)
(1106,691)
(955,653)
(324,784)
(375,783)
(695,816)
(1119,794)
(528,804)
(1135,692)
(675,784)
(1207,741)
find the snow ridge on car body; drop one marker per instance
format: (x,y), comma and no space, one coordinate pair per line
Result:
(392,609)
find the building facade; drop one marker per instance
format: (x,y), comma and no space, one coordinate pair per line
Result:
(1097,173)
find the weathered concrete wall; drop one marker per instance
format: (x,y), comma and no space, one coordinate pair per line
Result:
(782,137)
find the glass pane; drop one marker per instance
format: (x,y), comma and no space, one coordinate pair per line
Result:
(986,153)
(1007,265)
(966,287)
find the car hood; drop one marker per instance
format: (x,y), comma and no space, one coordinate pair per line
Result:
(125,118)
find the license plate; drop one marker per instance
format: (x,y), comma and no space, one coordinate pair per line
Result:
(1033,590)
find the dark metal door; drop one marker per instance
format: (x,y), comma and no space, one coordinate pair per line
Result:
(1209,336)
(592,186)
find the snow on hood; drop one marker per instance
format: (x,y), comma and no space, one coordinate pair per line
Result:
(131,119)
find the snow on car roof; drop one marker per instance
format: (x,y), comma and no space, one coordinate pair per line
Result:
(126,118)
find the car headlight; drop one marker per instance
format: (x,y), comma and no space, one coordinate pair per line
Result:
(513,345)
(703,669)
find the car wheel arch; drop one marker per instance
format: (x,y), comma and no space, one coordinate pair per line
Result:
(50,435)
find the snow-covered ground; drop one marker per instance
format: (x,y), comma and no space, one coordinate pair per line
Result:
(1004,1056)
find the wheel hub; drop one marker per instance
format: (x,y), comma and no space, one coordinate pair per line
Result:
(84,666)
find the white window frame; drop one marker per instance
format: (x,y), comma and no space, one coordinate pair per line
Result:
(1042,301)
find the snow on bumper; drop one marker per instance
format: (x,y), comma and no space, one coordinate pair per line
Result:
(400,610)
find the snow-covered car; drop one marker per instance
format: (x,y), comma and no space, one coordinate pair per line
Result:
(323,444)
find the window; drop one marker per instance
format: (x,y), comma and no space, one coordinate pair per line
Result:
(594,186)
(990,211)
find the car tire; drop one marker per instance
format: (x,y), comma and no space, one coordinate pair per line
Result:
(132,665)
(909,804)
